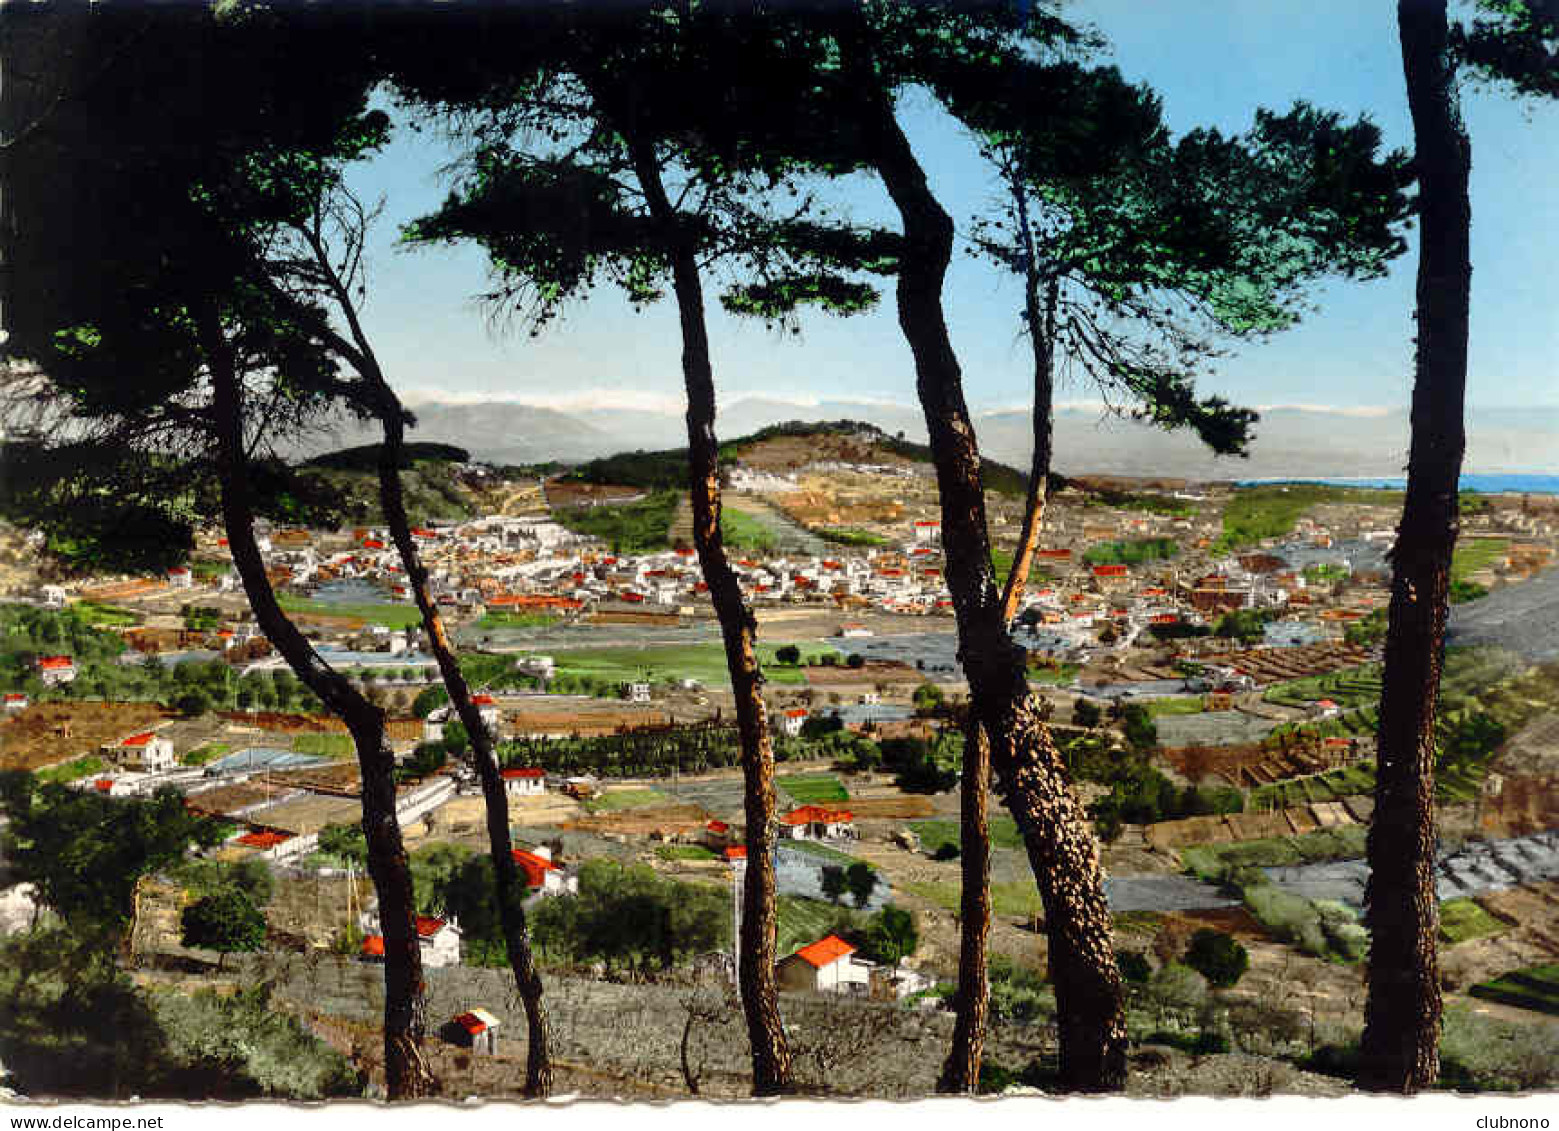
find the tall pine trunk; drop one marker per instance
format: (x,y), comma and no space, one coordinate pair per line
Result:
(511,892)
(1062,849)
(961,1069)
(1400,1047)
(771,1062)
(407,1075)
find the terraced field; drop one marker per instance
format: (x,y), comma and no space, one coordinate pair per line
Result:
(1536,988)
(1350,781)
(1350,687)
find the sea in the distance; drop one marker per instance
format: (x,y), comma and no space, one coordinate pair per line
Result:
(1494,484)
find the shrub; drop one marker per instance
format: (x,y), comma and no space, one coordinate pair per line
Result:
(1217,957)
(948,851)
(787,654)
(855,660)
(1134,966)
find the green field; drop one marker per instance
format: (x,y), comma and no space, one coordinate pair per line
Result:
(504,618)
(73,770)
(848,536)
(1474,554)
(703,662)
(1019,899)
(638,527)
(938,831)
(813,789)
(391,616)
(822,852)
(203,754)
(803,921)
(614,799)
(741,531)
(104,616)
(1212,861)
(1348,687)
(328,745)
(1535,988)
(684,852)
(1464,919)
(1349,781)
(1135,552)
(1174,705)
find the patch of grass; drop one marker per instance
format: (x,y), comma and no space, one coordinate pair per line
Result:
(504,618)
(742,531)
(802,921)
(1464,919)
(813,789)
(1135,552)
(1535,988)
(1020,899)
(638,527)
(615,799)
(391,616)
(1330,786)
(822,852)
(1060,675)
(938,831)
(684,852)
(210,752)
(1174,705)
(104,616)
(73,770)
(1474,554)
(703,662)
(1270,510)
(328,745)
(1212,862)
(848,536)
(1349,687)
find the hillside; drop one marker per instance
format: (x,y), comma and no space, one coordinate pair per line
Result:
(435,478)
(775,448)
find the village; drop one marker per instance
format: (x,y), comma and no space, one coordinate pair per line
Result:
(1212,681)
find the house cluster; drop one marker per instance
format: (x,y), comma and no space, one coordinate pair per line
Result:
(832,966)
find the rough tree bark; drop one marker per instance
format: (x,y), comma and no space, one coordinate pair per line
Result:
(407,1075)
(1400,1047)
(511,893)
(1062,850)
(961,1070)
(771,1059)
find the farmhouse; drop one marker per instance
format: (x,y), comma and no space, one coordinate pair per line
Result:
(439,940)
(790,721)
(16,701)
(145,751)
(542,873)
(814,822)
(55,670)
(826,966)
(524,781)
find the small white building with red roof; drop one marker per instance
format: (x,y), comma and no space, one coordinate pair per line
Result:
(524,781)
(828,966)
(179,577)
(439,940)
(542,873)
(818,822)
(144,751)
(56,670)
(477,1030)
(791,720)
(16,701)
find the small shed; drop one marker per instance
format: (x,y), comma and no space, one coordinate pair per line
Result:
(477,1030)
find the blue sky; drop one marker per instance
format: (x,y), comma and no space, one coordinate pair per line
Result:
(1212,62)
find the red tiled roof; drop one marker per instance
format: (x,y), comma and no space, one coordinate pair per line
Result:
(796,713)
(718,827)
(1109,571)
(808,814)
(103,785)
(372,544)
(263,839)
(825,951)
(736,853)
(525,772)
(14,696)
(472,1023)
(535,867)
(137,739)
(927,522)
(373,946)
(52,663)
(482,700)
(427,926)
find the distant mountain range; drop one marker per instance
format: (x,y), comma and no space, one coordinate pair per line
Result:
(1290,441)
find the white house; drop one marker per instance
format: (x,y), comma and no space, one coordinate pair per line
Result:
(56,669)
(524,781)
(543,874)
(477,1030)
(826,966)
(179,577)
(639,692)
(438,939)
(147,751)
(433,725)
(928,531)
(790,721)
(815,822)
(487,708)
(16,701)
(53,596)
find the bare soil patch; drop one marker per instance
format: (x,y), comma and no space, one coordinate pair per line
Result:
(47,733)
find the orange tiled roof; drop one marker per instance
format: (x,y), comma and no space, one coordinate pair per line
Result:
(825,951)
